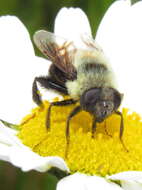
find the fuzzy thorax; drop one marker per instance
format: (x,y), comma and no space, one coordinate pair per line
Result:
(93,71)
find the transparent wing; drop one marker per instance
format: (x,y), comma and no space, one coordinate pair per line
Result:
(59,51)
(90,43)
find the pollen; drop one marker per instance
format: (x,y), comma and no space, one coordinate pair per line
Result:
(102,155)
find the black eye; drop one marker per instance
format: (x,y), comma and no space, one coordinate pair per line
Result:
(89,98)
(117,99)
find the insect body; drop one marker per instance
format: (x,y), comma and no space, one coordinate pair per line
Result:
(83,74)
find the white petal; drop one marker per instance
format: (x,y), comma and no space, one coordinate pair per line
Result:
(16,69)
(131,185)
(13,151)
(111,26)
(8,136)
(71,24)
(41,66)
(131,180)
(27,160)
(83,182)
(130,175)
(4,152)
(119,34)
(134,58)
(111,37)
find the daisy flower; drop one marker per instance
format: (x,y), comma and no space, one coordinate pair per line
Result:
(100,162)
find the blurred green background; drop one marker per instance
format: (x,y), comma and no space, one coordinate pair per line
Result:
(40,14)
(37,14)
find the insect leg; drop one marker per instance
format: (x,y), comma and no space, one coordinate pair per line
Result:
(121,129)
(94,125)
(59,103)
(72,114)
(47,83)
(35,93)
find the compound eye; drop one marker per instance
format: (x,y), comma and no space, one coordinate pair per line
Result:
(117,99)
(89,99)
(91,96)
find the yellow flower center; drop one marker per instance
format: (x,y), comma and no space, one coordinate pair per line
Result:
(104,154)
